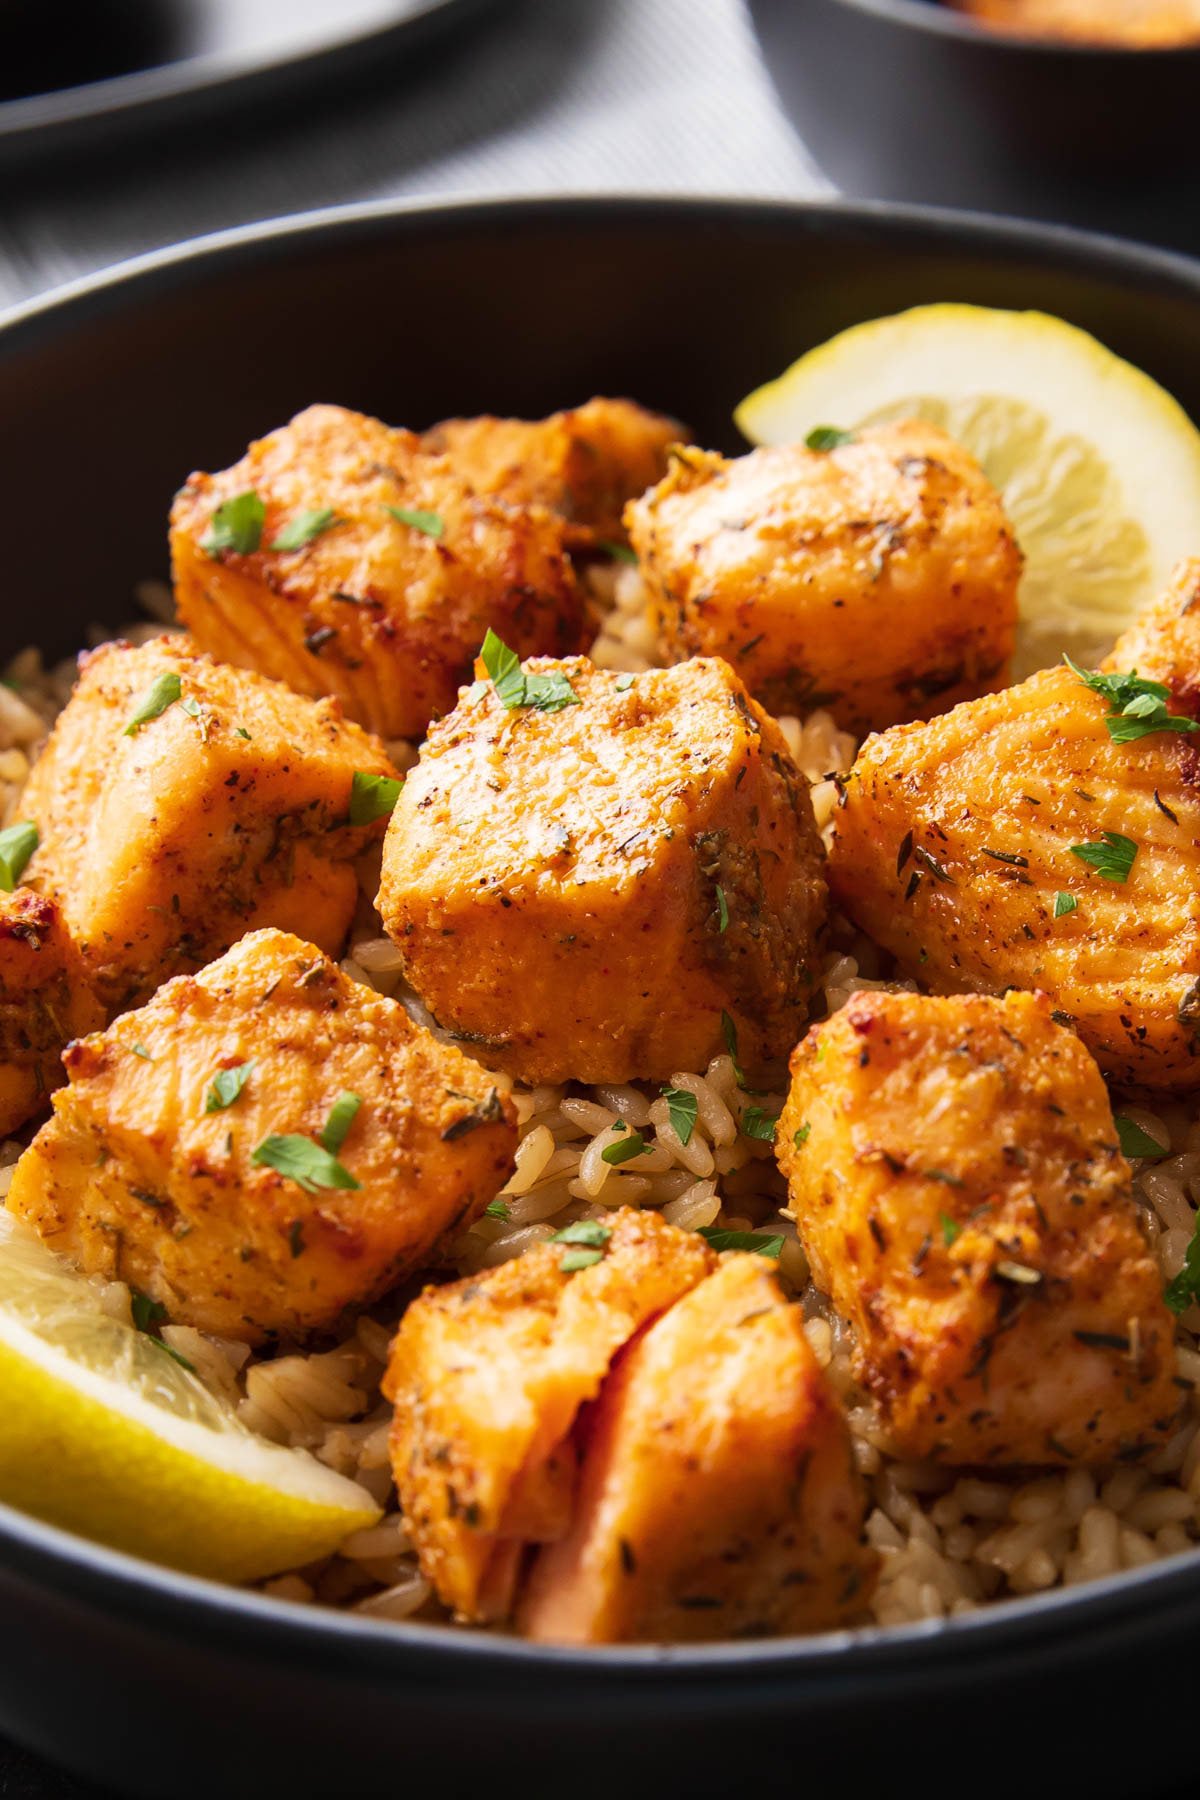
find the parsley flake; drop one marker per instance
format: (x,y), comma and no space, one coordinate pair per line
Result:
(633,1144)
(729,1033)
(372,797)
(17,844)
(1185,1287)
(303,1161)
(303,527)
(955,1181)
(618,552)
(756,1123)
(1064,904)
(800,1135)
(342,1115)
(1112,857)
(145,1311)
(580,1259)
(950,1228)
(682,1108)
(236,525)
(722,911)
(828,437)
(175,1355)
(1136,1142)
(761,1241)
(545,693)
(584,1231)
(496,1209)
(623,683)
(429,524)
(141,1051)
(1137,707)
(162,692)
(226,1086)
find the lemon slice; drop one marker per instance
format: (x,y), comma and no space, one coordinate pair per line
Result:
(1098,466)
(102,1432)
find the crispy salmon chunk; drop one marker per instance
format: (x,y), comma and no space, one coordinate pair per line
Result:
(487,1377)
(954,1172)
(263,1146)
(341,558)
(45,999)
(181,803)
(584,463)
(877,578)
(1017,842)
(586,871)
(717,1496)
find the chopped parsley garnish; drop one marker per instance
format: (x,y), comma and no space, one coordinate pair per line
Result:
(303,1161)
(1180,1292)
(243,733)
(496,1209)
(161,693)
(1137,707)
(236,525)
(800,1135)
(623,683)
(584,1231)
(141,1051)
(342,1115)
(226,1085)
(954,1181)
(1112,857)
(146,1314)
(145,1311)
(618,552)
(372,797)
(950,1228)
(587,1238)
(681,1110)
(579,1259)
(759,1124)
(430,524)
(1136,1142)
(761,1241)
(1063,904)
(303,527)
(191,707)
(828,437)
(17,844)
(631,1145)
(545,693)
(729,1033)
(722,911)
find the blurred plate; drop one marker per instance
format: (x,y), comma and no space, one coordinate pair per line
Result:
(87,72)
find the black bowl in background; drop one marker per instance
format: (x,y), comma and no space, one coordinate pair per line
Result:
(163,1686)
(910,100)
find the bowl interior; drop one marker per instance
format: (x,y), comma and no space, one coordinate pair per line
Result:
(413,314)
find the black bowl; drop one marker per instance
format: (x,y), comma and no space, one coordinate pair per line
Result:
(161,1685)
(910,100)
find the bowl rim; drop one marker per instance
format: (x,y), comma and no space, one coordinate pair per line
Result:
(943,20)
(160,268)
(34,1551)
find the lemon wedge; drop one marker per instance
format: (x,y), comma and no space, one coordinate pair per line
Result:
(1098,466)
(103,1432)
